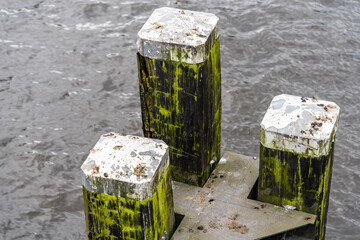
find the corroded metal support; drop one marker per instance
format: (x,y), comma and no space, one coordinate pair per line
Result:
(180,89)
(297,138)
(127,189)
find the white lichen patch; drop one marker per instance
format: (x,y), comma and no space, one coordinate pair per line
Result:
(124,163)
(178,35)
(299,124)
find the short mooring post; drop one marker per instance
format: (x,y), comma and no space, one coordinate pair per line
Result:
(180,89)
(127,189)
(297,138)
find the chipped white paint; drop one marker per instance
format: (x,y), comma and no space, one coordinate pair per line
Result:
(124,164)
(301,125)
(178,35)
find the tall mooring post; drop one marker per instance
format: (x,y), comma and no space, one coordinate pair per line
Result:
(180,89)
(297,138)
(127,189)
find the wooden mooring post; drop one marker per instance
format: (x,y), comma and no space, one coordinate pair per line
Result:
(127,189)
(180,89)
(297,138)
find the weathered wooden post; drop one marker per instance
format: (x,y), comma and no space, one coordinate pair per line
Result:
(127,189)
(180,89)
(297,138)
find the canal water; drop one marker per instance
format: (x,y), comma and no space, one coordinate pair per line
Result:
(68,74)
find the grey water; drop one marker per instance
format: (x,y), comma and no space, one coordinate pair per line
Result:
(68,74)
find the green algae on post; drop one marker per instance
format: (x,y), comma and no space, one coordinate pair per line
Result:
(127,189)
(180,89)
(297,137)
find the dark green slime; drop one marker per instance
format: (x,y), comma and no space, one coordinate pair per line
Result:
(181,104)
(303,181)
(118,218)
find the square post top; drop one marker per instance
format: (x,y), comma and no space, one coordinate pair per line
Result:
(300,125)
(123,162)
(178,35)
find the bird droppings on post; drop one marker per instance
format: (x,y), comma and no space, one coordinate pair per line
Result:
(297,137)
(178,35)
(127,188)
(294,124)
(180,89)
(133,157)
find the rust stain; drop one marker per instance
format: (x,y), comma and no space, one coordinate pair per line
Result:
(95,169)
(201,199)
(117,147)
(213,225)
(235,226)
(157,25)
(189,197)
(140,171)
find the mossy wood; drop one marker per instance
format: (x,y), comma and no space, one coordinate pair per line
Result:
(127,189)
(297,180)
(181,104)
(297,137)
(113,217)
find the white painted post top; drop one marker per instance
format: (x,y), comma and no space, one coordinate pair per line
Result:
(124,164)
(178,35)
(300,125)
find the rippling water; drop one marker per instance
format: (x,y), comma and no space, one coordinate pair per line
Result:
(68,73)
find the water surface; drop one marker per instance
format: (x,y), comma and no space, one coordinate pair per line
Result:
(68,74)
